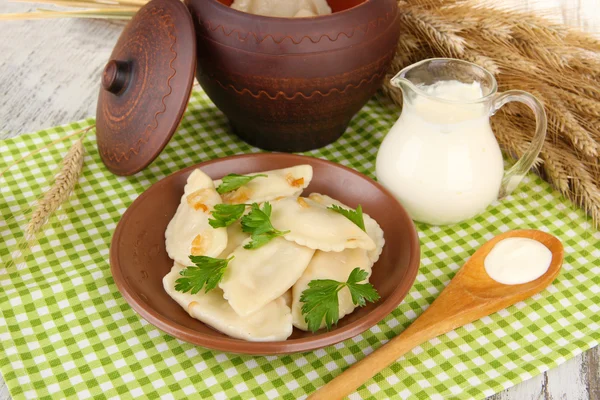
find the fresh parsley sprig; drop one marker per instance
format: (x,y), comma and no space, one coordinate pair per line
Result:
(361,292)
(206,273)
(321,300)
(354,216)
(234,181)
(226,214)
(258,223)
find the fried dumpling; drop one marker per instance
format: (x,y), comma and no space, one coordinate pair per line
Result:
(272,322)
(284,182)
(372,227)
(255,277)
(189,233)
(329,265)
(312,225)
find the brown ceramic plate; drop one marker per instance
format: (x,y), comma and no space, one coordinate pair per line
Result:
(139,261)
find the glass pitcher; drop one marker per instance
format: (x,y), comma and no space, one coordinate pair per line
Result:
(441,159)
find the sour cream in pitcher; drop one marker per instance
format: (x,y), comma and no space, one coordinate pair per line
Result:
(441,159)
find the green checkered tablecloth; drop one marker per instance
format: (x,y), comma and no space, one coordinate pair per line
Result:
(67,332)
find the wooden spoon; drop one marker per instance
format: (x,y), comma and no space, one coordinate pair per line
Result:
(471,295)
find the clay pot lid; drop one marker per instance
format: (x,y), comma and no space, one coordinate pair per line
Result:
(146,86)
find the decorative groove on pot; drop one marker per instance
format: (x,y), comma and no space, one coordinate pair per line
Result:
(243,36)
(315,93)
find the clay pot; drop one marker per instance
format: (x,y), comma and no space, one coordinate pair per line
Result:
(293,84)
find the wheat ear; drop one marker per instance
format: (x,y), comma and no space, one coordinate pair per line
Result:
(441,35)
(59,192)
(31,154)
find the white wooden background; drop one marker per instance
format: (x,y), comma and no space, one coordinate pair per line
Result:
(50,74)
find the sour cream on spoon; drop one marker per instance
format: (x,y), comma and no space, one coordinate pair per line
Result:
(517,260)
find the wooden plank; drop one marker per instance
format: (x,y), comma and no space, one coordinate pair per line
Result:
(591,366)
(531,389)
(50,70)
(4,395)
(569,382)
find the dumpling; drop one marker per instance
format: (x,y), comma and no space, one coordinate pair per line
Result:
(256,277)
(284,182)
(189,233)
(376,233)
(283,8)
(312,225)
(373,229)
(288,297)
(235,237)
(329,265)
(272,322)
(337,266)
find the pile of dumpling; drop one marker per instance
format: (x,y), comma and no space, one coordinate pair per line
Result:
(283,8)
(258,298)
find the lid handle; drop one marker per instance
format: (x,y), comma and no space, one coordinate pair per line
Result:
(116,76)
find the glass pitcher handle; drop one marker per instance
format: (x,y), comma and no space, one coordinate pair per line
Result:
(514,175)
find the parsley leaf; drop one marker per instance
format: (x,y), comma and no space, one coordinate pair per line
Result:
(206,273)
(361,292)
(258,223)
(233,181)
(354,216)
(257,220)
(321,299)
(226,214)
(261,239)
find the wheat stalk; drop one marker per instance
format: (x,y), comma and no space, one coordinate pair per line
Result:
(557,173)
(585,191)
(59,192)
(573,130)
(442,35)
(81,132)
(572,177)
(578,104)
(98,9)
(95,13)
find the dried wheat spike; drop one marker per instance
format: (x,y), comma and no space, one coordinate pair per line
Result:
(59,192)
(556,173)
(585,190)
(438,33)
(581,104)
(573,131)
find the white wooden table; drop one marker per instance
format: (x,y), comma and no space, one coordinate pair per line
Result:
(50,74)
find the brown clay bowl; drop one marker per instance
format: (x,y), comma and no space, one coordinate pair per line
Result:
(139,261)
(293,84)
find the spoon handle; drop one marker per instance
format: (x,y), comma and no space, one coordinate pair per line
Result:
(453,308)
(360,372)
